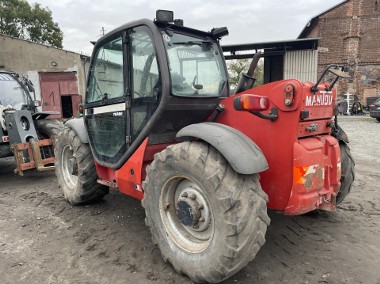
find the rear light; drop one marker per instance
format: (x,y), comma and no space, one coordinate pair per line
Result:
(372,105)
(251,103)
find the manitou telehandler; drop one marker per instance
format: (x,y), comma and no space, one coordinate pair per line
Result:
(24,131)
(160,125)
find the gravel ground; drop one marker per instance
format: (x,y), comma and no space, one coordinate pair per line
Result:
(45,240)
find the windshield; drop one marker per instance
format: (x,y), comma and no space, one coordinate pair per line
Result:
(11,92)
(196,66)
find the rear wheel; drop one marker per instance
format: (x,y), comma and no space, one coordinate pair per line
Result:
(348,172)
(75,169)
(207,220)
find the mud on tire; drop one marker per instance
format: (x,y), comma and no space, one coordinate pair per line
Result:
(233,207)
(75,169)
(348,172)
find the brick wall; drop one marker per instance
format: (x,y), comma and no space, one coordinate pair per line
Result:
(350,34)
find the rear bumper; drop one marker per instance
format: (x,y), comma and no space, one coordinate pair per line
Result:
(375,113)
(316,175)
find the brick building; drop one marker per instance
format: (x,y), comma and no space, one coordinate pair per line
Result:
(350,34)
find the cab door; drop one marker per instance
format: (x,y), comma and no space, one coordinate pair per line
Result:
(122,93)
(106,112)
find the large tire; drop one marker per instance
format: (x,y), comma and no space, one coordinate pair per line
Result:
(75,169)
(46,128)
(230,209)
(348,172)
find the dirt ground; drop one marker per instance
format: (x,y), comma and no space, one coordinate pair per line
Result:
(43,239)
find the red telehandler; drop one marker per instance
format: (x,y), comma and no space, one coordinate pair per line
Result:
(159,124)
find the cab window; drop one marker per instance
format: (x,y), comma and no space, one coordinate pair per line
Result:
(196,66)
(106,116)
(145,79)
(106,80)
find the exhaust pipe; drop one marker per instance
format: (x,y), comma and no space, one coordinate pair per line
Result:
(247,80)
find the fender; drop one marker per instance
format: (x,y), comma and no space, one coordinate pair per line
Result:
(242,153)
(77,124)
(44,114)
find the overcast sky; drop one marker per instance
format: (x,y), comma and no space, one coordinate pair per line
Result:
(248,21)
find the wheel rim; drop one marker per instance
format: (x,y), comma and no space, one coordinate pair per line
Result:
(186,214)
(70,179)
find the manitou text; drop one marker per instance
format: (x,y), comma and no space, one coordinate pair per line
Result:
(323,99)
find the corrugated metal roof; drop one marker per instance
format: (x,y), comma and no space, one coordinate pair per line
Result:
(270,47)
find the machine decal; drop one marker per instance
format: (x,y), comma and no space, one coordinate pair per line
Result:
(310,176)
(166,37)
(118,113)
(109,108)
(325,98)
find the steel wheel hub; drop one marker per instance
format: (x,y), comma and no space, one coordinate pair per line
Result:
(186,214)
(69,167)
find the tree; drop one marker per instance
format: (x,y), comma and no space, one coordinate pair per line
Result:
(238,66)
(35,23)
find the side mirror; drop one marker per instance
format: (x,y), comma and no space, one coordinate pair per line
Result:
(28,83)
(338,70)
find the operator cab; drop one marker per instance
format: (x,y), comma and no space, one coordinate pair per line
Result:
(13,93)
(151,79)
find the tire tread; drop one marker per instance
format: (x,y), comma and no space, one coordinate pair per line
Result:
(347,174)
(243,203)
(87,190)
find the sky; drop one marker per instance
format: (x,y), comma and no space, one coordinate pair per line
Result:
(247,21)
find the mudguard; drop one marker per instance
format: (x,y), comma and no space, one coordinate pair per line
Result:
(242,153)
(77,124)
(44,114)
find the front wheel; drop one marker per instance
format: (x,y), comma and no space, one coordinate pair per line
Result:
(75,169)
(48,129)
(207,220)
